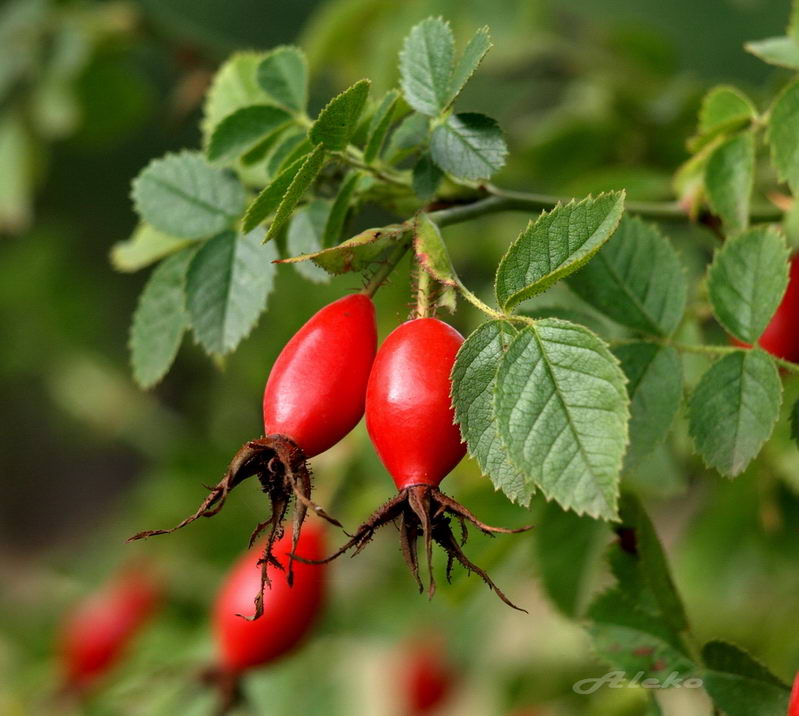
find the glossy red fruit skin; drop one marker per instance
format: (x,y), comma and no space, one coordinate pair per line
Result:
(781,337)
(289,612)
(316,388)
(793,706)
(409,412)
(96,632)
(428,679)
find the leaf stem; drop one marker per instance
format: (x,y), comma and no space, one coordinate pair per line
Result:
(379,277)
(351,157)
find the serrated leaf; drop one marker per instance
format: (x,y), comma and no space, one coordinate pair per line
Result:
(234,86)
(336,123)
(227,285)
(558,243)
(471,58)
(562,413)
(747,281)
(654,384)
(635,640)
(145,246)
(270,197)
(795,423)
(724,109)
(379,126)
(782,135)
(426,66)
(283,75)
(636,279)
(410,134)
(310,168)
(729,178)
(431,252)
(354,254)
(741,686)
(287,151)
(733,410)
(469,146)
(473,383)
(340,209)
(426,177)
(780,51)
(566,549)
(160,320)
(304,236)
(242,130)
(182,195)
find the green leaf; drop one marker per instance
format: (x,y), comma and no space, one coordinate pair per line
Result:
(741,686)
(160,320)
(795,423)
(473,383)
(651,561)
(782,135)
(562,413)
(410,134)
(287,151)
(227,285)
(724,109)
(635,640)
(242,130)
(182,195)
(426,177)
(379,126)
(283,75)
(729,178)
(636,279)
(310,168)
(234,86)
(734,408)
(654,384)
(467,64)
(558,243)
(469,146)
(747,280)
(780,51)
(304,236)
(354,254)
(431,252)
(270,197)
(146,246)
(426,66)
(17,181)
(337,122)
(340,209)
(566,548)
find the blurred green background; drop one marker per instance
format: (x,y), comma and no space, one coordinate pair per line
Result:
(593,94)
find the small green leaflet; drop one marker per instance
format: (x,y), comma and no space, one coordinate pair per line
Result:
(234,86)
(160,320)
(782,135)
(654,384)
(567,549)
(431,252)
(724,109)
(795,423)
(780,51)
(426,66)
(304,236)
(558,243)
(337,122)
(283,75)
(340,209)
(747,280)
(311,166)
(242,130)
(562,413)
(379,126)
(408,136)
(271,196)
(469,146)
(182,195)
(227,285)
(733,410)
(729,178)
(741,686)
(426,177)
(636,279)
(473,382)
(288,149)
(354,254)
(145,246)
(472,56)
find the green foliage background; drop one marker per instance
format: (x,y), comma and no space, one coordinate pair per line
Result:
(593,96)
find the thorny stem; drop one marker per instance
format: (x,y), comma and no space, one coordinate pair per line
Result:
(424,293)
(389,264)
